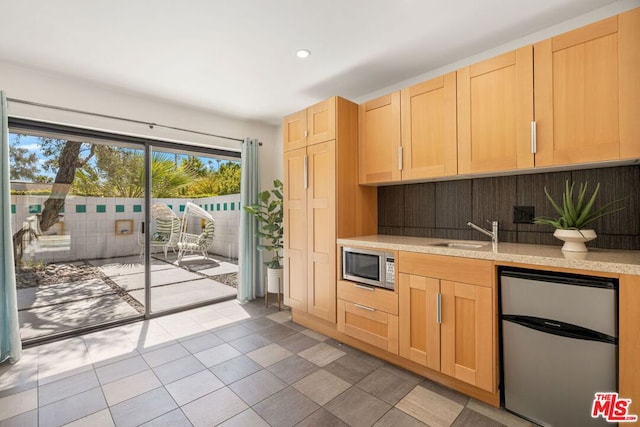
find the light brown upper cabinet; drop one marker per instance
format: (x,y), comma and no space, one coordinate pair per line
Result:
(495,111)
(310,126)
(379,140)
(587,93)
(429,141)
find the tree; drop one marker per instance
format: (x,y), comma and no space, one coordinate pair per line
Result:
(23,165)
(228,178)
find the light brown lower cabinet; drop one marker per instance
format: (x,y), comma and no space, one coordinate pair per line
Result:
(447,325)
(372,319)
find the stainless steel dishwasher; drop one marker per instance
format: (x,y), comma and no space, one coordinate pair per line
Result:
(559,345)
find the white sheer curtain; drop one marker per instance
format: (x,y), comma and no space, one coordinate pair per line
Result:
(10,345)
(250,280)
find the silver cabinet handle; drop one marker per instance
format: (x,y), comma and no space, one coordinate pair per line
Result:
(534,138)
(439,308)
(366,288)
(306,172)
(400,157)
(364,307)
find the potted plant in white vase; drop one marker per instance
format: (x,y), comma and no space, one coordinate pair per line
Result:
(576,213)
(268,212)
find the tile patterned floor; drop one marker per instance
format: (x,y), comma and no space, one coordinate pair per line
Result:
(229,365)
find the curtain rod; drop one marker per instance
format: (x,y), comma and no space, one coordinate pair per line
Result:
(106,116)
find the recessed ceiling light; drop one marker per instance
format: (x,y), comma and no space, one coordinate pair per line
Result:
(303,53)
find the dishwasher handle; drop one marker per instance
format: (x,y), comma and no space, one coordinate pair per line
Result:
(559,328)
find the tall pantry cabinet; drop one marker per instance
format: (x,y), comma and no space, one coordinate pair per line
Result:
(322,202)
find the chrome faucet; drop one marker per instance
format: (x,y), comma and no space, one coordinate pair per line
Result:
(493,233)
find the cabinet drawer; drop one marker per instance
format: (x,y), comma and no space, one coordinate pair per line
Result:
(465,270)
(367,324)
(380,299)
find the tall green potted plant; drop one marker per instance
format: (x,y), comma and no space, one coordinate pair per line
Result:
(268,212)
(575,213)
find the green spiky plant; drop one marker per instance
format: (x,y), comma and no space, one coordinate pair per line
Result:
(268,212)
(576,213)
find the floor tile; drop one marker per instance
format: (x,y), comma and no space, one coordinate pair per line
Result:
(277,332)
(97,419)
(471,418)
(235,369)
(357,408)
(497,414)
(430,408)
(26,419)
(175,418)
(315,335)
(194,386)
(256,387)
(201,342)
(321,354)
(386,386)
(270,354)
(321,386)
(258,323)
(244,419)
(214,408)
(296,327)
(292,369)
(72,408)
(286,408)
(280,317)
(67,387)
(322,418)
(122,369)
(249,343)
(397,418)
(131,386)
(233,332)
(16,404)
(143,408)
(217,355)
(165,354)
(173,371)
(19,377)
(297,342)
(445,392)
(351,368)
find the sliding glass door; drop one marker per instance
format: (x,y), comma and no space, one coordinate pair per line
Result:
(76,206)
(108,228)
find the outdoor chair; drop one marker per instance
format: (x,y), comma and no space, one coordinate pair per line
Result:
(165,228)
(190,242)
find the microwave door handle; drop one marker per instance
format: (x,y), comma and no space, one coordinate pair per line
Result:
(366,288)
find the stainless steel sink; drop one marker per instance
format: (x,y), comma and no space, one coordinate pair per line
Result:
(460,245)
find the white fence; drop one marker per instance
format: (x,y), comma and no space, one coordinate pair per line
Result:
(99,227)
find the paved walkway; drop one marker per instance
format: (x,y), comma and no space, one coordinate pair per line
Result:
(50,309)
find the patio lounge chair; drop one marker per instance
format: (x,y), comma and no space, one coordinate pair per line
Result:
(165,228)
(189,242)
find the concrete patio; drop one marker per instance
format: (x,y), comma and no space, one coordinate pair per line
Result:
(119,292)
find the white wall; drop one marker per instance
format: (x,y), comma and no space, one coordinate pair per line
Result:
(43,87)
(579,21)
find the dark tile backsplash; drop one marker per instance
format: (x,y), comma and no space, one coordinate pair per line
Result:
(442,209)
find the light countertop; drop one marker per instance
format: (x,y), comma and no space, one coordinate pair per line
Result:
(602,260)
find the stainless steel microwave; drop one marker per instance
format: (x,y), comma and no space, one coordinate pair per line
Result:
(371,267)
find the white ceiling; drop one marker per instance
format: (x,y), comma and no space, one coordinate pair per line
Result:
(237,57)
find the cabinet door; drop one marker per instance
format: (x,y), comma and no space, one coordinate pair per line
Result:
(495,110)
(367,324)
(587,96)
(429,137)
(379,140)
(419,328)
(294,129)
(321,121)
(467,334)
(295,229)
(321,230)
